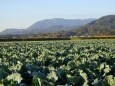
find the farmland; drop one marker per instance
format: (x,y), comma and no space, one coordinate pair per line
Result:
(51,63)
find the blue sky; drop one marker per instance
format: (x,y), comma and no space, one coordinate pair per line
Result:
(23,13)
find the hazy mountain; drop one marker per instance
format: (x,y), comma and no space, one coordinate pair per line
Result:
(48,25)
(56,24)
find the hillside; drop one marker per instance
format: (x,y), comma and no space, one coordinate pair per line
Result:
(102,26)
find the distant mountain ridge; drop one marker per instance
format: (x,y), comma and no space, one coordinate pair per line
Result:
(13,31)
(48,25)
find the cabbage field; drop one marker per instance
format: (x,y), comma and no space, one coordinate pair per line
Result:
(55,63)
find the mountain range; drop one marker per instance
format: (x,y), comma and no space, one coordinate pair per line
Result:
(57,27)
(48,25)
